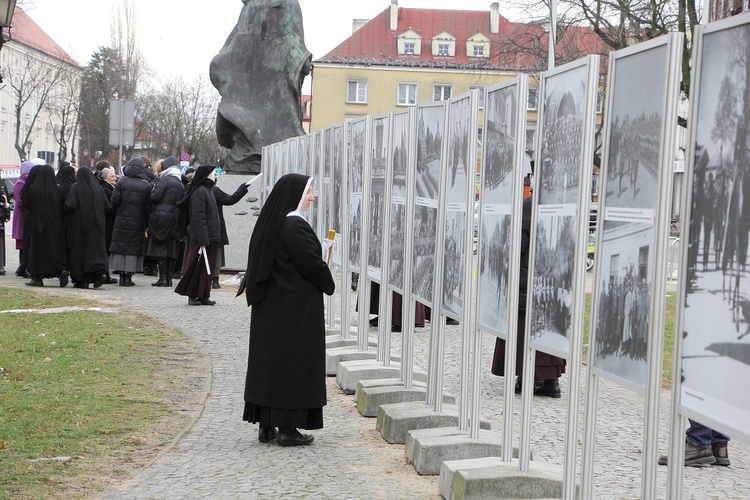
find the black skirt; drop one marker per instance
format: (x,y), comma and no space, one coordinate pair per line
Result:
(279,417)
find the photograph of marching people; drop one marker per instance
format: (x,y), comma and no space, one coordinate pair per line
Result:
(716,326)
(627,234)
(497,192)
(557,181)
(461,170)
(379,160)
(430,125)
(356,167)
(400,158)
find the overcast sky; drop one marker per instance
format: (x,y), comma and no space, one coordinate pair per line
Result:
(182,36)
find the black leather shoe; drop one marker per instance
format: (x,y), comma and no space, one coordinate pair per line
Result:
(550,388)
(293,437)
(721,453)
(215,283)
(451,321)
(396,328)
(101,278)
(194,302)
(695,456)
(110,281)
(81,284)
(162,281)
(35,282)
(22,273)
(518,385)
(207,302)
(267,434)
(64,278)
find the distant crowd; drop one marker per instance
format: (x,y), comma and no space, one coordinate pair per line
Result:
(83,225)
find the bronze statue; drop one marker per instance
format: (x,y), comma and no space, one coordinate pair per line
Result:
(259,74)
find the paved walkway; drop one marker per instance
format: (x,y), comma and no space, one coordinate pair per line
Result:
(220,457)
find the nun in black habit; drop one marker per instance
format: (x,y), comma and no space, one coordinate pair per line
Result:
(44,232)
(285,281)
(86,203)
(204,231)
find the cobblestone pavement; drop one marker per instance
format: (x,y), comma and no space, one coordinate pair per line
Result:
(220,456)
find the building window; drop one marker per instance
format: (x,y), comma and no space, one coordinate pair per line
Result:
(356,92)
(481,93)
(443,49)
(407,94)
(409,48)
(441,92)
(478,51)
(531,103)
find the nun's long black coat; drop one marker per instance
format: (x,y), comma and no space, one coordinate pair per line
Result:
(88,242)
(286,364)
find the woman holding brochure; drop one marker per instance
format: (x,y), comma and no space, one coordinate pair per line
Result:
(204,231)
(285,281)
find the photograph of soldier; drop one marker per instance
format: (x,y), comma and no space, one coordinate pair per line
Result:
(716,337)
(379,160)
(623,305)
(400,158)
(557,183)
(430,125)
(460,173)
(558,179)
(494,252)
(631,169)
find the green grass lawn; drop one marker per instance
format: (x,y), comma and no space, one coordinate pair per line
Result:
(87,385)
(669,324)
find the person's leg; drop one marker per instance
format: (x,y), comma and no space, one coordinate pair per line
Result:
(698,434)
(719,448)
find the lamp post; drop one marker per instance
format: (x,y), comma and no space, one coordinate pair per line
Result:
(6,15)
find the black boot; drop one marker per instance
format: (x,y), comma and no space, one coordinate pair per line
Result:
(162,281)
(215,283)
(170,271)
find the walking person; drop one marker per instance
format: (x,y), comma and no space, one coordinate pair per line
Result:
(17,232)
(131,202)
(224,200)
(44,232)
(163,243)
(86,203)
(4,217)
(204,231)
(284,283)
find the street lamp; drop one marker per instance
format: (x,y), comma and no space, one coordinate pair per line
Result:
(6,15)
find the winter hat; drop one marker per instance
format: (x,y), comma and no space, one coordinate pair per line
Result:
(169,161)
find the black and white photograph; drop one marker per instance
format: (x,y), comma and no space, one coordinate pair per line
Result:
(716,338)
(623,302)
(631,170)
(631,180)
(400,158)
(315,171)
(460,172)
(327,187)
(354,212)
(430,127)
(494,253)
(378,165)
(293,155)
(304,166)
(552,282)
(557,184)
(337,195)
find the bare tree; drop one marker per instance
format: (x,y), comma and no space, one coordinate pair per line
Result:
(30,85)
(179,117)
(64,113)
(124,42)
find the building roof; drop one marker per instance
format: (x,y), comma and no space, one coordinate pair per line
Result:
(26,32)
(375,43)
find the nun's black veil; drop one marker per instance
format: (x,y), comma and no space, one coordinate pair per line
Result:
(88,191)
(284,199)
